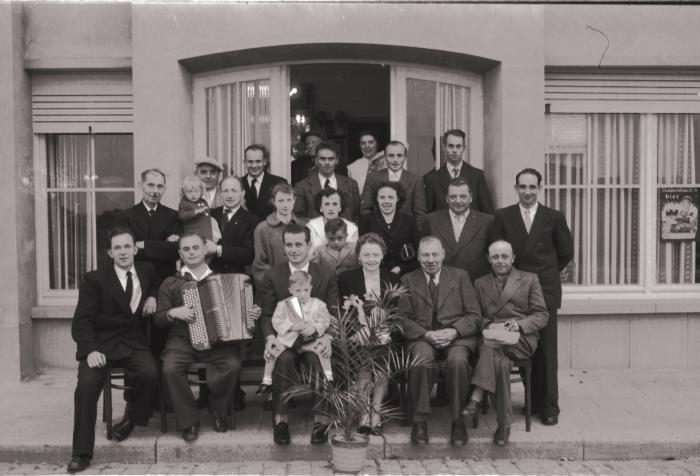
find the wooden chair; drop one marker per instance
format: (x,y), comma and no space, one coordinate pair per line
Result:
(521,371)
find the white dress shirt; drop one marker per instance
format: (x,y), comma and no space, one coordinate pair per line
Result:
(458,222)
(332,181)
(136,285)
(532,211)
(185,271)
(395,176)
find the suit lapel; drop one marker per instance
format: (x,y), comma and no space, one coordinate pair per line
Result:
(445,287)
(445,229)
(419,287)
(116,290)
(444,177)
(537,224)
(471,226)
(512,285)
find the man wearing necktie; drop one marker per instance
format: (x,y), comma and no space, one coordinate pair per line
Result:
(462,230)
(209,172)
(441,321)
(543,245)
(257,182)
(109,329)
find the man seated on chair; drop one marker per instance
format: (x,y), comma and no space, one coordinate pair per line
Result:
(514,311)
(223,361)
(441,321)
(109,328)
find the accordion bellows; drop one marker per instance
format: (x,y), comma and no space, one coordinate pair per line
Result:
(221,303)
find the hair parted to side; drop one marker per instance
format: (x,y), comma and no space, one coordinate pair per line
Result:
(455,132)
(119,230)
(145,173)
(296,228)
(370,239)
(459,182)
(327,146)
(529,171)
(299,277)
(399,143)
(261,148)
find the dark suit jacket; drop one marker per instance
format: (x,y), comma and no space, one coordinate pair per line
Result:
(413,186)
(469,253)
(403,231)
(307,189)
(353,282)
(457,305)
(275,287)
(521,299)
(302,167)
(436,183)
(545,251)
(103,320)
(154,231)
(261,206)
(236,241)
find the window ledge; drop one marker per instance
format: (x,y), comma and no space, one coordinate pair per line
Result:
(645,304)
(53,312)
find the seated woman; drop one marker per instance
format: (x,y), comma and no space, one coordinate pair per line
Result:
(397,229)
(330,203)
(357,287)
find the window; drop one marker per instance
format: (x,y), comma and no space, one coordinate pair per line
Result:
(612,175)
(83,181)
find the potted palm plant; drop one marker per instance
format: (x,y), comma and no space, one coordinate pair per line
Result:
(362,351)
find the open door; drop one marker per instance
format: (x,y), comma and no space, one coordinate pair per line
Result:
(427,102)
(241,107)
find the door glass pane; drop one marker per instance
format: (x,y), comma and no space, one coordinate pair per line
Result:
(68,161)
(420,125)
(108,207)
(454,113)
(70,252)
(114,160)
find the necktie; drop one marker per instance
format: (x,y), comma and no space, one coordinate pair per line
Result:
(328,184)
(252,185)
(432,287)
(227,216)
(455,172)
(458,226)
(528,220)
(151,212)
(500,283)
(129,286)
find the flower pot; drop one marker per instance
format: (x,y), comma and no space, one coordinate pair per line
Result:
(349,456)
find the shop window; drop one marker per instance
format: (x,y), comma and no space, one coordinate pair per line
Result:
(84,180)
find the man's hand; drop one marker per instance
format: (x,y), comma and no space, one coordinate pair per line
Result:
(183,313)
(396,270)
(512,325)
(307,330)
(253,315)
(172,238)
(431,338)
(444,337)
(323,346)
(96,359)
(149,306)
(140,245)
(270,346)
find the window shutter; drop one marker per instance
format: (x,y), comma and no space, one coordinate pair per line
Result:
(76,102)
(577,90)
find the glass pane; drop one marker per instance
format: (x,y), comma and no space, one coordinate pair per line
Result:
(114,160)
(454,107)
(68,161)
(69,229)
(420,125)
(108,207)
(574,202)
(615,146)
(678,198)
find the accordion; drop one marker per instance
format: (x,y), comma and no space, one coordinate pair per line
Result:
(221,303)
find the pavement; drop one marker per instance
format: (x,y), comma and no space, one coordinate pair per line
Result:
(607,415)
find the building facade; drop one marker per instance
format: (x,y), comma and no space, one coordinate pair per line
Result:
(604,99)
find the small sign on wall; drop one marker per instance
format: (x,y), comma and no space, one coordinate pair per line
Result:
(679,213)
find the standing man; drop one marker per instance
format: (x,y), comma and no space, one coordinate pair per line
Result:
(441,321)
(436,182)
(395,156)
(543,245)
(257,183)
(109,328)
(510,299)
(301,167)
(273,289)
(463,231)
(234,251)
(209,172)
(156,229)
(323,177)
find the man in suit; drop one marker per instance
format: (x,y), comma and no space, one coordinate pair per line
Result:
(543,245)
(395,156)
(441,321)
(234,251)
(275,288)
(223,360)
(109,328)
(462,230)
(436,182)
(209,172)
(257,183)
(302,166)
(156,229)
(325,176)
(511,300)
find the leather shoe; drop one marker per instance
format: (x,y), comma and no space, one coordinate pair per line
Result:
(458,435)
(123,429)
(419,433)
(191,434)
(549,419)
(239,400)
(472,409)
(364,430)
(281,433)
(219,423)
(319,434)
(78,463)
(501,436)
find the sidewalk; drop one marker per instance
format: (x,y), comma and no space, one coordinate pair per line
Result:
(606,415)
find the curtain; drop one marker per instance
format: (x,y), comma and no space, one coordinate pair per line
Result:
(454,112)
(237,115)
(676,167)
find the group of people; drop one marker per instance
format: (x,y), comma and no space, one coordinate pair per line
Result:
(329,241)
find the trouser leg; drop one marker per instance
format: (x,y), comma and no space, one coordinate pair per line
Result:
(175,363)
(141,374)
(87,392)
(284,375)
(223,372)
(421,379)
(522,350)
(457,373)
(545,387)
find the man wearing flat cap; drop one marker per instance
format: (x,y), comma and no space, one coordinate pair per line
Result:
(209,172)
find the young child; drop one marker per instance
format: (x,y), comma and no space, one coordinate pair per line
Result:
(337,253)
(300,321)
(194,210)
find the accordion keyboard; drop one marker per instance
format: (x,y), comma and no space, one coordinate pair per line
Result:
(198,328)
(248,298)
